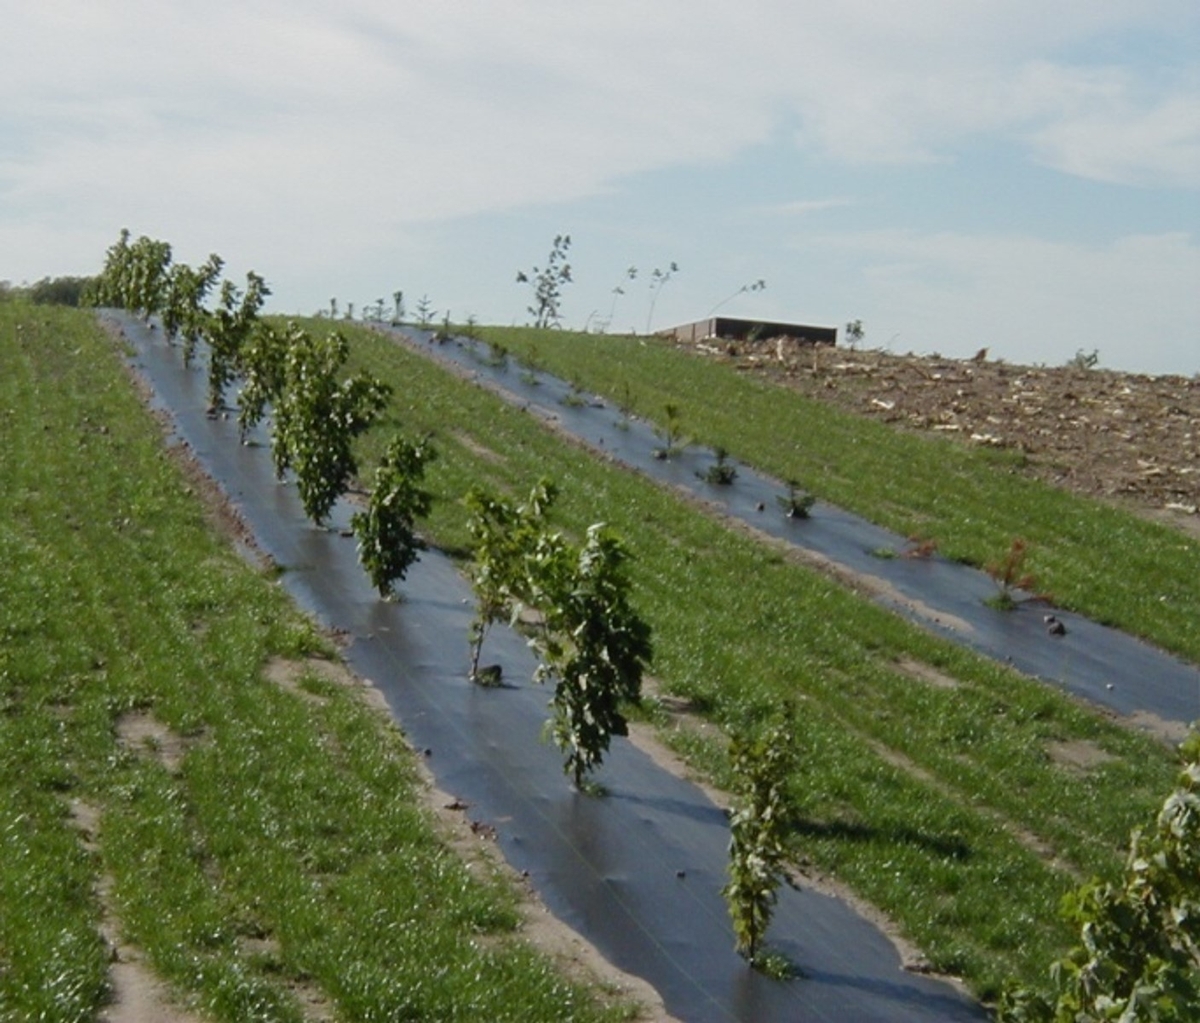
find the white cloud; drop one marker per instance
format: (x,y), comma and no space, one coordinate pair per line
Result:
(1032,300)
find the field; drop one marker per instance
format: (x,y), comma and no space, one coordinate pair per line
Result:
(955,796)
(184,772)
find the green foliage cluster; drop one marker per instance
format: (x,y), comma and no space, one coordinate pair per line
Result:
(759,825)
(386,529)
(184,314)
(67,291)
(1139,953)
(591,643)
(671,432)
(229,329)
(135,276)
(317,417)
(502,535)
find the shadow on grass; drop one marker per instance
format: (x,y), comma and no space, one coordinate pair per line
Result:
(843,831)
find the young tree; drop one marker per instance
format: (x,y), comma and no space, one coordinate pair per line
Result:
(854,333)
(505,537)
(387,540)
(425,312)
(108,287)
(146,285)
(228,328)
(617,291)
(758,830)
(1139,953)
(658,280)
(134,276)
(317,418)
(184,313)
(548,283)
(262,361)
(592,643)
(671,433)
(758,285)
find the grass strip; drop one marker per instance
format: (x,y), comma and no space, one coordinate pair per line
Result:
(257,844)
(943,806)
(1103,562)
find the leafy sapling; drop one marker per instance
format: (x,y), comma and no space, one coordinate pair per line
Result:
(658,280)
(317,418)
(505,538)
(184,315)
(671,432)
(386,529)
(796,504)
(425,312)
(722,473)
(547,283)
(854,333)
(263,357)
(227,331)
(1138,956)
(593,644)
(1010,576)
(758,285)
(758,836)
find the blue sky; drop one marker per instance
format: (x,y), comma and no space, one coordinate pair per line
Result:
(957,174)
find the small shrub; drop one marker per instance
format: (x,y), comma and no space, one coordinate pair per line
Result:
(1010,575)
(671,434)
(797,504)
(722,474)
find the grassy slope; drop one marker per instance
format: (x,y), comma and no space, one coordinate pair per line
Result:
(940,805)
(287,847)
(1105,563)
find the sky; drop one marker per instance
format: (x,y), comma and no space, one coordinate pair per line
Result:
(957,174)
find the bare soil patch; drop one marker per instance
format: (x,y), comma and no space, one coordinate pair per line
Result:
(1078,755)
(1130,439)
(472,445)
(143,733)
(927,673)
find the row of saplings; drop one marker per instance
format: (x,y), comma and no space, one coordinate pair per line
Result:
(574,598)
(1139,955)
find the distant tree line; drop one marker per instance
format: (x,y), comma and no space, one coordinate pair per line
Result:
(69,291)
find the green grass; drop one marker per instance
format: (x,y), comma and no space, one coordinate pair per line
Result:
(285,849)
(941,806)
(1098,560)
